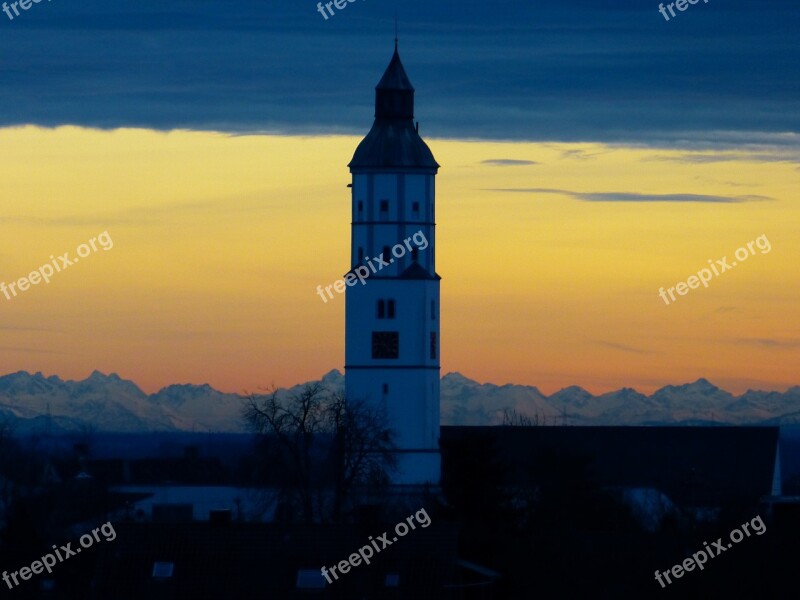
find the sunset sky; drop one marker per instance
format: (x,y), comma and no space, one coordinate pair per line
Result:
(589,170)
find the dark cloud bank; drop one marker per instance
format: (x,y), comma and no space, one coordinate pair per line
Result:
(720,74)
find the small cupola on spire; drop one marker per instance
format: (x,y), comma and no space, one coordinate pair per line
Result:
(394,94)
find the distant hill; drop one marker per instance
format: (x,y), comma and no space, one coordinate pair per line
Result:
(34,403)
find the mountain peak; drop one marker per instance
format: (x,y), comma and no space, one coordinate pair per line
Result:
(332,376)
(703,382)
(571,394)
(457,377)
(702,386)
(98,376)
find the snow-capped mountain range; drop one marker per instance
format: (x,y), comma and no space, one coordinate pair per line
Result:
(109,403)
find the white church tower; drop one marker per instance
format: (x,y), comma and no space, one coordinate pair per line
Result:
(392,321)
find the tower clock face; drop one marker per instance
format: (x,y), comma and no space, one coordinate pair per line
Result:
(385,344)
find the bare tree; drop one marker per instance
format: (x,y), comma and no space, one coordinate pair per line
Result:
(511,418)
(363,450)
(317,436)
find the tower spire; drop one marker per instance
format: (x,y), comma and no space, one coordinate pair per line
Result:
(395,31)
(393,141)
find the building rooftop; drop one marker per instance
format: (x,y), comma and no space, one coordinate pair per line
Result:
(394,140)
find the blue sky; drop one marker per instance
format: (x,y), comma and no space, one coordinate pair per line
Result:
(721,73)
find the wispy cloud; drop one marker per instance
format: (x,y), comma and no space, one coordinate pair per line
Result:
(507,162)
(580,154)
(18,328)
(633,197)
(770,343)
(726,182)
(146,215)
(621,347)
(707,158)
(72,221)
(29,350)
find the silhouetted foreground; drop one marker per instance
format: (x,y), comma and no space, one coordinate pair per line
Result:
(523,512)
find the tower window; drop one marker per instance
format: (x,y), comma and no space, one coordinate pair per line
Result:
(414,254)
(387,254)
(385,344)
(385,388)
(415,207)
(360,206)
(385,309)
(360,255)
(433,345)
(384,206)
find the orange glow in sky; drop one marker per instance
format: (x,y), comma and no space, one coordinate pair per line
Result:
(220,242)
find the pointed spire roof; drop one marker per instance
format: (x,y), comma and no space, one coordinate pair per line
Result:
(393,140)
(395,78)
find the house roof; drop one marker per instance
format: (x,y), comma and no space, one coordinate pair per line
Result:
(235,560)
(693,466)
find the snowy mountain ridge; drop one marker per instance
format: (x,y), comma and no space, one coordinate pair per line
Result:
(113,404)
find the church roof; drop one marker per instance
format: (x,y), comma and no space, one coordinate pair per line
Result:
(393,140)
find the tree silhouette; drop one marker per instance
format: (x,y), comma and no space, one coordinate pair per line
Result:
(321,448)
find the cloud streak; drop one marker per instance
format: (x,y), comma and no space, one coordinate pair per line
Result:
(633,197)
(507,162)
(771,343)
(621,347)
(692,158)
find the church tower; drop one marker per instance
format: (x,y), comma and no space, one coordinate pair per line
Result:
(392,320)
